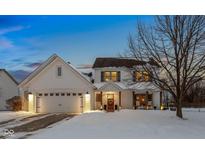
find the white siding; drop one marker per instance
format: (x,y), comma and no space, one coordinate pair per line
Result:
(48,82)
(156,99)
(127,100)
(8,89)
(48,79)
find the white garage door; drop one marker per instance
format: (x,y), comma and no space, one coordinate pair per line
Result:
(59,102)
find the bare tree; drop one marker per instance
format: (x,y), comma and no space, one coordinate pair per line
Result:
(177,45)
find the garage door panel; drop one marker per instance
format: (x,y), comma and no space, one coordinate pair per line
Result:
(69,104)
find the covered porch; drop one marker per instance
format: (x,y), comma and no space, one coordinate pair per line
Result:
(108,96)
(146,96)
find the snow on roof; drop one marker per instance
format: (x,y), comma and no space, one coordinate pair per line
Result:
(143,86)
(118,85)
(85,70)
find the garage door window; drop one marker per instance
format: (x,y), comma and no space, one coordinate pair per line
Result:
(74,94)
(57,94)
(51,94)
(68,94)
(79,94)
(46,94)
(62,94)
(40,94)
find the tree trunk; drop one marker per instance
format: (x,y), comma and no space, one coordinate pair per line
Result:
(179,111)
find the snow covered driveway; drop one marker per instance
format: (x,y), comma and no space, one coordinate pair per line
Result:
(129,124)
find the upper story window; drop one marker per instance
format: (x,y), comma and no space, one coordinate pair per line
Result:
(110,76)
(141,76)
(59,71)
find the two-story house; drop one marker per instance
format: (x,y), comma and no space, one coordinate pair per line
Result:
(120,85)
(111,84)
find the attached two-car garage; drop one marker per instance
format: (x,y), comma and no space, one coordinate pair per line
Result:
(56,86)
(59,102)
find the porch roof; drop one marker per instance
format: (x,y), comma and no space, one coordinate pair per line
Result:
(144,86)
(118,86)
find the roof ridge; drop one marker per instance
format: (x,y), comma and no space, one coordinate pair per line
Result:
(9,75)
(41,67)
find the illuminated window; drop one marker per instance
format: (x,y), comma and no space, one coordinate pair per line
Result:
(114,76)
(142,76)
(106,76)
(111,76)
(138,76)
(146,76)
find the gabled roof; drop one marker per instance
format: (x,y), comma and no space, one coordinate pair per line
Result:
(105,85)
(9,75)
(119,62)
(45,64)
(141,86)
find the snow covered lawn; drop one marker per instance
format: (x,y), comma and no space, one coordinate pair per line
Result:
(8,115)
(129,124)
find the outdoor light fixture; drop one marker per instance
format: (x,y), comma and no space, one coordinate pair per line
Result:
(30,102)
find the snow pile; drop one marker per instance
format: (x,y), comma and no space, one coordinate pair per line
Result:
(128,124)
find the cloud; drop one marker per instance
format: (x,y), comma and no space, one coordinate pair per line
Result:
(4,31)
(19,75)
(5,43)
(33,65)
(18,60)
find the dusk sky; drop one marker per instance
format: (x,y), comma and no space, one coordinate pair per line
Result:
(26,41)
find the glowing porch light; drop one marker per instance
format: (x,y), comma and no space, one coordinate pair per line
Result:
(30,97)
(30,102)
(87,103)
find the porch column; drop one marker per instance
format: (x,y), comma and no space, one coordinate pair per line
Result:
(160,98)
(134,100)
(101,100)
(146,99)
(119,99)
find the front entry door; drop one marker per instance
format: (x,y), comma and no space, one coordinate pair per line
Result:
(110,103)
(141,99)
